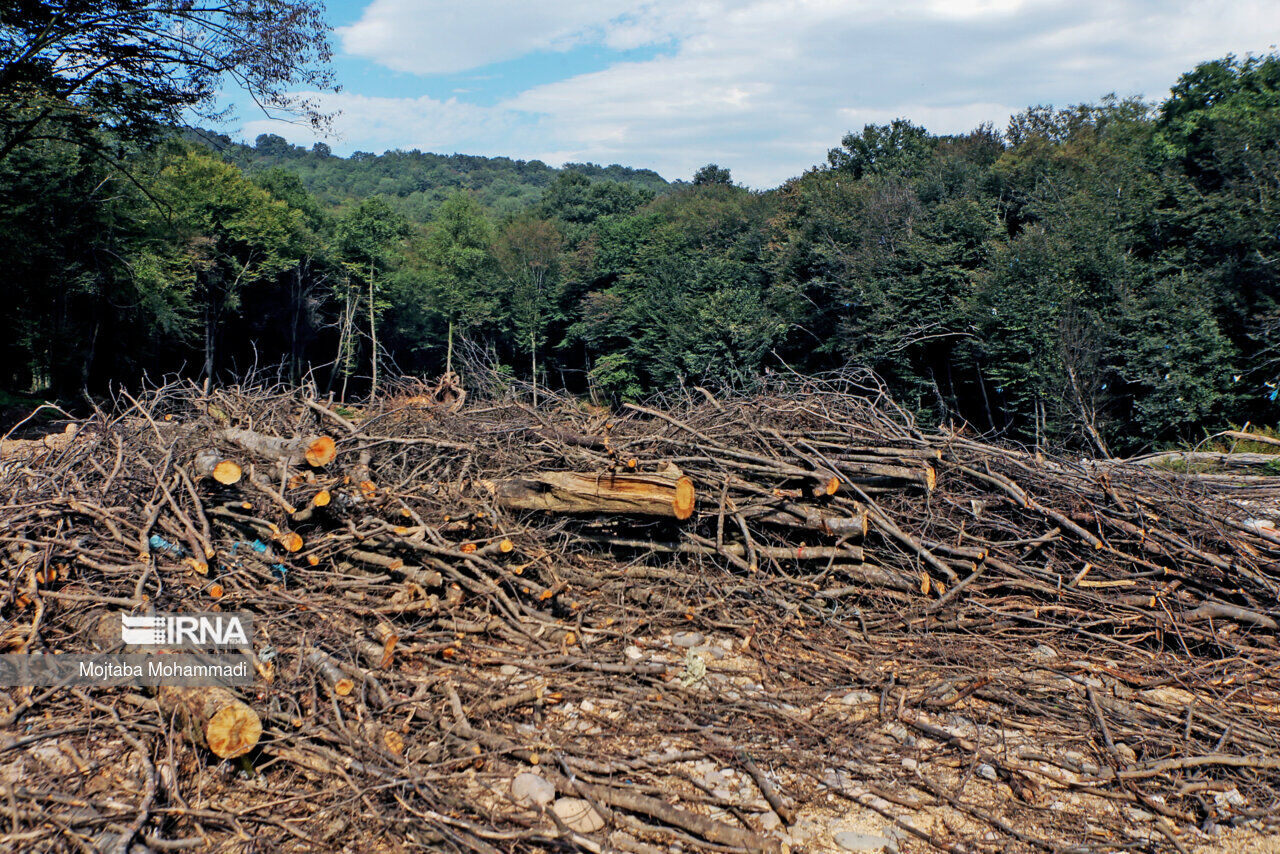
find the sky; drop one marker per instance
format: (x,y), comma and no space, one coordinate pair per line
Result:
(763,87)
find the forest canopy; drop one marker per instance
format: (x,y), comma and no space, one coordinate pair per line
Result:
(1102,275)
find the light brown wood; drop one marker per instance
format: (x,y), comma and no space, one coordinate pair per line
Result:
(320,452)
(16,449)
(213,718)
(668,495)
(309,450)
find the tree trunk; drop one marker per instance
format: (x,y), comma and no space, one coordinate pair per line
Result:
(448,357)
(212,717)
(373,336)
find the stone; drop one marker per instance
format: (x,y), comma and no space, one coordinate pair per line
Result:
(687,640)
(910,764)
(986,772)
(1044,653)
(859,698)
(769,821)
(578,815)
(532,789)
(707,651)
(850,840)
(633,653)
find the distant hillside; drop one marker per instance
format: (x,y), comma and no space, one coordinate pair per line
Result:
(414,182)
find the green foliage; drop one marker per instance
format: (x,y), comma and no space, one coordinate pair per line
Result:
(1101,276)
(69,70)
(417,183)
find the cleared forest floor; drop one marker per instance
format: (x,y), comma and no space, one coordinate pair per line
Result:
(789,622)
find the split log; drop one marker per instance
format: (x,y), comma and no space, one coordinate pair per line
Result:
(572,492)
(213,718)
(312,450)
(924,475)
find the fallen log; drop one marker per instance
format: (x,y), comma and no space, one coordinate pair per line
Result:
(314,451)
(213,718)
(571,492)
(16,449)
(1208,458)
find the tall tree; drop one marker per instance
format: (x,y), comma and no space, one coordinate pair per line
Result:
(365,236)
(528,250)
(460,267)
(219,233)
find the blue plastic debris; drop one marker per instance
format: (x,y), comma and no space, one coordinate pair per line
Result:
(160,544)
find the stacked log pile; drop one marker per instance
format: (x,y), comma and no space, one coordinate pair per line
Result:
(987,649)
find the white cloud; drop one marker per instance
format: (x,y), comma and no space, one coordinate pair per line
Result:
(443,36)
(766,86)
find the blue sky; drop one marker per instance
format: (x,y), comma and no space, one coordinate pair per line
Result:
(763,87)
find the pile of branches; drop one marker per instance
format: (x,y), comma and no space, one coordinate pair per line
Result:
(972,647)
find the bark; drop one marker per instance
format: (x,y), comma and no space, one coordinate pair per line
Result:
(572,492)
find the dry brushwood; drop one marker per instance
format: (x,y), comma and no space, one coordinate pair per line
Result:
(692,622)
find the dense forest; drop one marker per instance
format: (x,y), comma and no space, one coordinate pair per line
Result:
(1103,275)
(414,183)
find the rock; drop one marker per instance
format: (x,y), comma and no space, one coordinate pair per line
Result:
(859,698)
(587,706)
(633,653)
(508,670)
(531,789)
(713,652)
(1044,653)
(578,815)
(850,840)
(687,640)
(769,821)
(986,772)
(910,764)
(723,794)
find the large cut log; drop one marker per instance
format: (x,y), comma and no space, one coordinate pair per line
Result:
(312,450)
(212,717)
(572,492)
